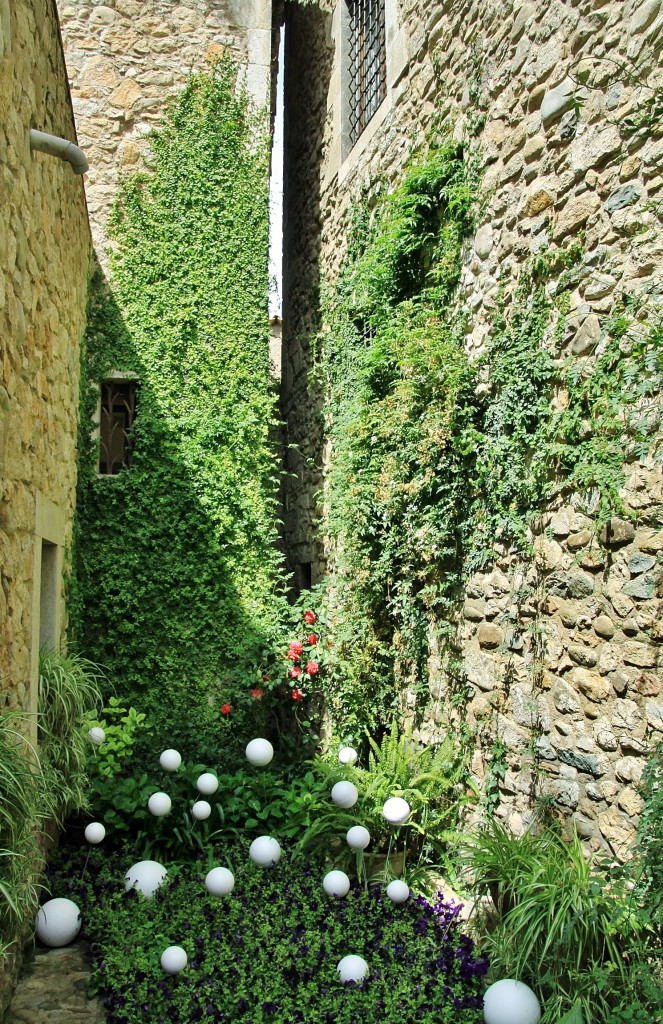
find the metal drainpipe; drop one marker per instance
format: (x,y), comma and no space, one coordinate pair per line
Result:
(42,142)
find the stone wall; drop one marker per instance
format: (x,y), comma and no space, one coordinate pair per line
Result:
(44,261)
(580,728)
(125,58)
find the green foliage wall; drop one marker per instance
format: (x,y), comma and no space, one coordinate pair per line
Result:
(176,561)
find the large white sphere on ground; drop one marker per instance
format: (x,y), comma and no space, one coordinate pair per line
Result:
(170,760)
(265,851)
(58,922)
(358,837)
(352,968)
(345,794)
(510,1002)
(259,752)
(173,959)
(347,755)
(146,876)
(396,810)
(95,832)
(207,783)
(336,883)
(201,810)
(398,891)
(220,881)
(96,735)
(159,805)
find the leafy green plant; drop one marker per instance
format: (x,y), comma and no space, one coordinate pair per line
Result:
(649,861)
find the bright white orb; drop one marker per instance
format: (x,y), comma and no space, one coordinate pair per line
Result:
(259,752)
(170,760)
(146,876)
(58,922)
(96,735)
(265,851)
(358,837)
(95,832)
(220,881)
(336,883)
(159,805)
(201,810)
(345,794)
(396,810)
(207,783)
(347,755)
(352,968)
(510,1002)
(398,891)
(173,959)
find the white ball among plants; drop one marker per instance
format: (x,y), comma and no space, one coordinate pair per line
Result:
(58,922)
(219,882)
(345,794)
(265,851)
(173,959)
(511,1002)
(358,837)
(396,810)
(96,735)
(146,876)
(201,810)
(347,755)
(95,832)
(398,891)
(336,883)
(159,805)
(170,760)
(207,783)
(259,752)
(352,968)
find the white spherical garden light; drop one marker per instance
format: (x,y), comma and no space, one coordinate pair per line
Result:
(265,851)
(173,959)
(347,755)
(159,805)
(219,882)
(95,832)
(58,922)
(510,1002)
(201,810)
(336,883)
(345,794)
(358,837)
(146,876)
(352,968)
(259,752)
(396,810)
(96,735)
(398,891)
(207,783)
(170,760)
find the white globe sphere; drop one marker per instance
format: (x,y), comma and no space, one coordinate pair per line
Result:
(146,876)
(336,883)
(173,959)
(345,794)
(220,881)
(352,968)
(398,891)
(358,837)
(95,832)
(170,760)
(347,755)
(96,735)
(259,752)
(207,783)
(201,810)
(510,1002)
(265,851)
(396,810)
(58,922)
(159,805)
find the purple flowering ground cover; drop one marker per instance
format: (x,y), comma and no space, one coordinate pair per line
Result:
(268,952)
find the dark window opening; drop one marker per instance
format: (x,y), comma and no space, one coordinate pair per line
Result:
(368,62)
(118,412)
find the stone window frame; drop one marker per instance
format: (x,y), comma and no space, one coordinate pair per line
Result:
(50,534)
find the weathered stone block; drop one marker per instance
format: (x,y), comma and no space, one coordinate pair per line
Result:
(617,532)
(593,685)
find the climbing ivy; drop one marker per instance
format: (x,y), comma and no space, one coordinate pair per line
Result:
(176,556)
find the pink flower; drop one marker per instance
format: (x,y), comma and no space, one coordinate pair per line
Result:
(297,695)
(257,693)
(310,618)
(313,668)
(294,672)
(225,709)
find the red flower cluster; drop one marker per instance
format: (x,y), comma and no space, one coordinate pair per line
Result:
(295,650)
(225,709)
(312,639)
(312,668)
(297,695)
(257,693)
(310,618)
(295,672)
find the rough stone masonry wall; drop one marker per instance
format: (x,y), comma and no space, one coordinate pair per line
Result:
(44,258)
(126,58)
(584,723)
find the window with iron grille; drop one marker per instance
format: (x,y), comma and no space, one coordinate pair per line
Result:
(118,412)
(368,62)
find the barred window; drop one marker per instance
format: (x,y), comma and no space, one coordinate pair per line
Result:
(368,62)
(118,412)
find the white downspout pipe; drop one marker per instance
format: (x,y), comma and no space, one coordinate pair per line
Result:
(41,142)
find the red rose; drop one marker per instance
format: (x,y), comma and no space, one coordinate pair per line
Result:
(309,618)
(312,639)
(297,695)
(225,709)
(295,649)
(313,668)
(257,693)
(294,672)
